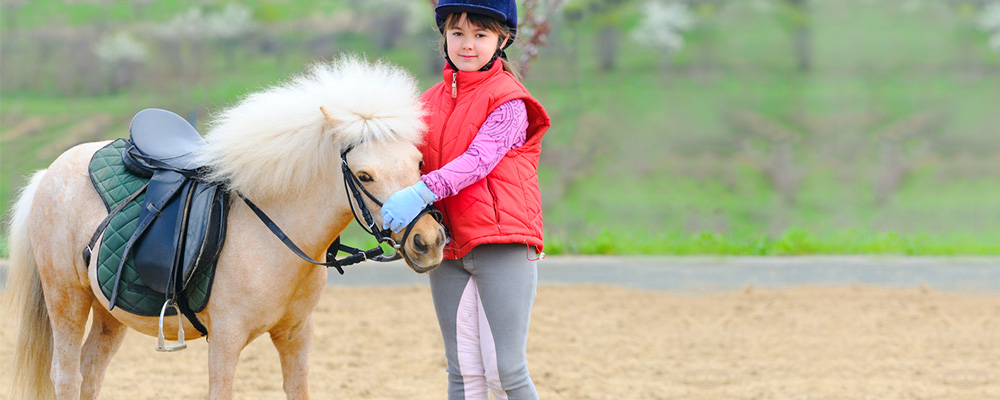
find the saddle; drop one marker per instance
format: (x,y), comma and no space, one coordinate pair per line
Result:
(181,224)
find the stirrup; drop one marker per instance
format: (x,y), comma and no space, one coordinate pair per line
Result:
(180,345)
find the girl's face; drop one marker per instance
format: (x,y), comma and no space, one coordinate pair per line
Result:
(470,47)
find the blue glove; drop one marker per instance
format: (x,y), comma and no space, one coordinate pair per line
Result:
(404,205)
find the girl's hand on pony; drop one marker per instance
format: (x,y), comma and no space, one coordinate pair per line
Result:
(404,205)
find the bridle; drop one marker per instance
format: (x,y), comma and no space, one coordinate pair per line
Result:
(354,189)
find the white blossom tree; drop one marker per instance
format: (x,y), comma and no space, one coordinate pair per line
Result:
(989,20)
(663,26)
(232,23)
(185,35)
(229,22)
(122,54)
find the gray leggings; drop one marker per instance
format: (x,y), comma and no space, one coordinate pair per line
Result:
(483,303)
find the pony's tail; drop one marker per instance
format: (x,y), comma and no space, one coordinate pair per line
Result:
(33,351)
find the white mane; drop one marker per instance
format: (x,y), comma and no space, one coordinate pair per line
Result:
(276,143)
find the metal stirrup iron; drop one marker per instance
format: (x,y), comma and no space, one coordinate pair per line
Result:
(180,345)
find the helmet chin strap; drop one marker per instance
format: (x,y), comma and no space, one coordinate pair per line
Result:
(489,65)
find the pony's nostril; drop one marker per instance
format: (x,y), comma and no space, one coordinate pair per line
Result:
(418,243)
(442,238)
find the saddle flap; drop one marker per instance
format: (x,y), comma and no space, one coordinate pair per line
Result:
(206,231)
(166,137)
(160,224)
(184,238)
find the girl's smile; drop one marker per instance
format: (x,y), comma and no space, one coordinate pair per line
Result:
(470,47)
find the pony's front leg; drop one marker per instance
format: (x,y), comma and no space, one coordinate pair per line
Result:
(106,336)
(224,347)
(293,343)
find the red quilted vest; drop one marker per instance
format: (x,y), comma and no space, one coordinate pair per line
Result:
(505,206)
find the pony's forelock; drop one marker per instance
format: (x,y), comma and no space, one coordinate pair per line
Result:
(276,142)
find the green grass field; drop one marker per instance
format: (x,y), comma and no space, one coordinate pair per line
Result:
(886,145)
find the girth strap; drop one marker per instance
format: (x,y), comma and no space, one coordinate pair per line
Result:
(191,316)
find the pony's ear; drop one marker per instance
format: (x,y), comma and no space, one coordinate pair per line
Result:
(331,122)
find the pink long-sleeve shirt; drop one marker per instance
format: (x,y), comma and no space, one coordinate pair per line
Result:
(505,129)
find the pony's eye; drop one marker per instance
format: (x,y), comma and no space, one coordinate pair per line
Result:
(364,177)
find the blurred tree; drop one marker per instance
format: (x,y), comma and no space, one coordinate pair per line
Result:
(895,163)
(662,27)
(185,35)
(138,9)
(393,24)
(608,17)
(10,47)
(796,19)
(179,37)
(387,20)
(574,162)
(267,41)
(608,43)
(534,28)
(573,15)
(10,14)
(771,149)
(229,25)
(989,20)
(793,16)
(122,54)
(975,21)
(706,33)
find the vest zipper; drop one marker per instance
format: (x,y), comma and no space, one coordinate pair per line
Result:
(444,128)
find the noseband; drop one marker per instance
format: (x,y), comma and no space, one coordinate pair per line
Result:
(354,189)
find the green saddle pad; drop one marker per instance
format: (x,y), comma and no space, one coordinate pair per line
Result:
(115,184)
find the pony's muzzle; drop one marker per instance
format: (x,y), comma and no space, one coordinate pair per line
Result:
(422,247)
(425,247)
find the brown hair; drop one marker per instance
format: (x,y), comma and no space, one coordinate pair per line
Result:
(481,21)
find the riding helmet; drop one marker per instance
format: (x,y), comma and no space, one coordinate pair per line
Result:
(503,10)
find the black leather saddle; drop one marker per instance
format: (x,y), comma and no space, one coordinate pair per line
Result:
(182,224)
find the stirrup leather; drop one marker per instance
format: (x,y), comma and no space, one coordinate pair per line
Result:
(179,345)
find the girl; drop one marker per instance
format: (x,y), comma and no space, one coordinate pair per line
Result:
(480,167)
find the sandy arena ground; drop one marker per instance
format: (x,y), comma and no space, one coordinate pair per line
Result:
(599,342)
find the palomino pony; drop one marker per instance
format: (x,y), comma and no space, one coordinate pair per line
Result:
(280,147)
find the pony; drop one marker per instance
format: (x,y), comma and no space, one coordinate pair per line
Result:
(279,147)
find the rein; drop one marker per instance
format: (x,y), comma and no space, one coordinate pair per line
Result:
(353,188)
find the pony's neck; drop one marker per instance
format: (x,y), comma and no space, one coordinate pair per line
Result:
(314,217)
